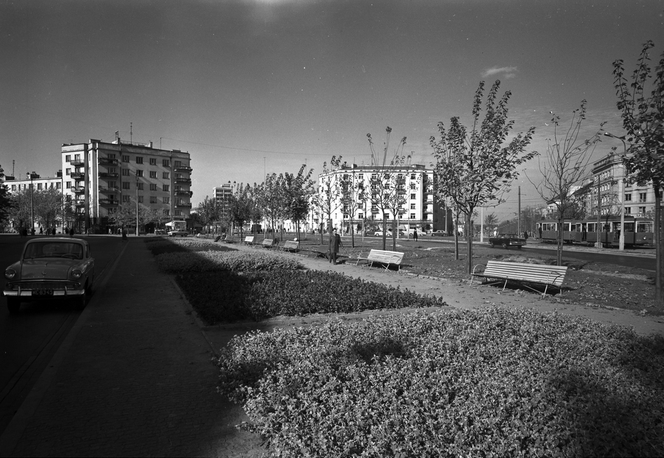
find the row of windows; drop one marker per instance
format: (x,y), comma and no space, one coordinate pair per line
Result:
(643,197)
(126,185)
(39,186)
(153,199)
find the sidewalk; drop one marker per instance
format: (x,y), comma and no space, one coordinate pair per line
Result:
(133,378)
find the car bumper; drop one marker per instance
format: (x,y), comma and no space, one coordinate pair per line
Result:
(44,290)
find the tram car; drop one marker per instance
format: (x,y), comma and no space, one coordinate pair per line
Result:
(638,231)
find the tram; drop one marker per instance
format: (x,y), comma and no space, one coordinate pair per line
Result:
(638,231)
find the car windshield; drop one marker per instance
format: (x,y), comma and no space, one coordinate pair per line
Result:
(54,250)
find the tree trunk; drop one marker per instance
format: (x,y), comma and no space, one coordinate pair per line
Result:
(395,232)
(659,263)
(455,230)
(352,234)
(559,258)
(469,243)
(384,232)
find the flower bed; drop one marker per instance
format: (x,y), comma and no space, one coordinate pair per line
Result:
(226,296)
(483,383)
(232,260)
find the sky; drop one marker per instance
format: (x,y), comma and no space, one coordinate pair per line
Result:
(250,87)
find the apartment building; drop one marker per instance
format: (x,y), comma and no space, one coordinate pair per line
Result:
(607,182)
(99,177)
(222,198)
(34,182)
(418,208)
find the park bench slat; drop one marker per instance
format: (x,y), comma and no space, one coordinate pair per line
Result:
(249,240)
(522,273)
(291,245)
(268,243)
(382,256)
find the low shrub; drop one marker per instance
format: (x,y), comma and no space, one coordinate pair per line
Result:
(495,382)
(230,259)
(226,296)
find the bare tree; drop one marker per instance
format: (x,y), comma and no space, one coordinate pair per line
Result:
(329,192)
(564,166)
(354,198)
(473,167)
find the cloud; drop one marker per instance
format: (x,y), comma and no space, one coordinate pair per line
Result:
(509,72)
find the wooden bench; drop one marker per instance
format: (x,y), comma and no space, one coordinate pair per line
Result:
(249,240)
(522,273)
(268,243)
(383,257)
(291,245)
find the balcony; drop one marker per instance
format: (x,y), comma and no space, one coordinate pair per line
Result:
(109,202)
(182,168)
(108,161)
(180,192)
(77,163)
(78,189)
(182,180)
(109,189)
(182,205)
(79,203)
(108,175)
(78,175)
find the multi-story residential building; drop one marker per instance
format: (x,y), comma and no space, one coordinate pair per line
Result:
(99,177)
(607,182)
(222,198)
(417,206)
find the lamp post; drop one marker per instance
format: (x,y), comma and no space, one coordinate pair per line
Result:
(137,203)
(32,175)
(621,189)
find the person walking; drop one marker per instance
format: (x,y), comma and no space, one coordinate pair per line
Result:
(415,234)
(335,243)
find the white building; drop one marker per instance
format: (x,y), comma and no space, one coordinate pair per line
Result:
(413,183)
(98,177)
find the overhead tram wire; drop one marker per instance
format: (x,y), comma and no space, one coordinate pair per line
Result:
(245,149)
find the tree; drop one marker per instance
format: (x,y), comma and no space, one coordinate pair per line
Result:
(353,198)
(474,167)
(643,120)
(208,212)
(564,166)
(329,193)
(5,199)
(240,208)
(297,190)
(124,215)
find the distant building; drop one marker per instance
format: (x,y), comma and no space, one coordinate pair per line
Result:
(420,209)
(35,182)
(222,198)
(607,182)
(98,177)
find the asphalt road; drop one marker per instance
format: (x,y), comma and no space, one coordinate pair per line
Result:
(29,340)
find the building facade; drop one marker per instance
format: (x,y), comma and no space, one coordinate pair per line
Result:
(608,183)
(34,182)
(99,177)
(409,187)
(222,198)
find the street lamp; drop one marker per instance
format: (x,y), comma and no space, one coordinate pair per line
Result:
(621,188)
(136,203)
(32,175)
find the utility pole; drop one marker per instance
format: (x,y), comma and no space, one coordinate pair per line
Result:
(518,221)
(136,203)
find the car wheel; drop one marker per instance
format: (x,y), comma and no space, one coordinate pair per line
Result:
(505,245)
(13,304)
(82,300)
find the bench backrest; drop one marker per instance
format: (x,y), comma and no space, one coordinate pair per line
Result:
(249,239)
(386,257)
(537,273)
(268,242)
(292,245)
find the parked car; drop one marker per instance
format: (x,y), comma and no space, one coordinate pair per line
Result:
(160,232)
(438,234)
(507,240)
(178,233)
(53,267)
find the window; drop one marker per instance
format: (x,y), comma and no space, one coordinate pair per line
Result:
(628,210)
(153,187)
(77,157)
(177,163)
(125,185)
(360,215)
(412,206)
(68,184)
(167,188)
(165,175)
(178,212)
(125,172)
(167,212)
(412,196)
(153,199)
(412,176)
(57,185)
(140,186)
(166,163)
(140,199)
(111,156)
(125,198)
(642,197)
(13,187)
(112,184)
(139,159)
(67,172)
(153,174)
(166,200)
(125,158)
(412,216)
(68,158)
(153,161)
(139,173)
(628,197)
(39,185)
(642,210)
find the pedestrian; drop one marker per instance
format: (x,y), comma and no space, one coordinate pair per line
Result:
(525,235)
(71,232)
(124,234)
(335,243)
(415,234)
